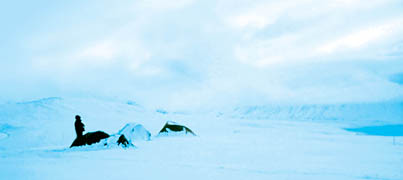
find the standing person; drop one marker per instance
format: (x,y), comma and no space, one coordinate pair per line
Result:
(79,126)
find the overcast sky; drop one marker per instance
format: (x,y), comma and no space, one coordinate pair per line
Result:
(192,53)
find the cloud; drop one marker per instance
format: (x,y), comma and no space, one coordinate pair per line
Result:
(163,5)
(102,51)
(195,52)
(260,15)
(288,32)
(363,37)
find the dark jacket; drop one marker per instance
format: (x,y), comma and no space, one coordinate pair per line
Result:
(79,128)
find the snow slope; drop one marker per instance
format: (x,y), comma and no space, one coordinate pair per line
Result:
(271,142)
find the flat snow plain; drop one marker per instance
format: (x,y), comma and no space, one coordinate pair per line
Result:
(35,136)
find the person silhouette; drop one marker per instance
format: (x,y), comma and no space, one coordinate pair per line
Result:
(79,126)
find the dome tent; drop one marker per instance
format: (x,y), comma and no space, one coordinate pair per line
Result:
(174,129)
(127,135)
(134,131)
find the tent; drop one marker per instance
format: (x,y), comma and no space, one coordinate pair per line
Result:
(174,129)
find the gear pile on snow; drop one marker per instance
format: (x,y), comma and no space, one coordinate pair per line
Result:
(122,140)
(90,138)
(174,129)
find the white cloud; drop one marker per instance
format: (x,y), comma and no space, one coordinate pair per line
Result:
(100,51)
(162,4)
(169,46)
(261,53)
(259,15)
(252,19)
(362,37)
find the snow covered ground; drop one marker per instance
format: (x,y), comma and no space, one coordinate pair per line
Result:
(270,142)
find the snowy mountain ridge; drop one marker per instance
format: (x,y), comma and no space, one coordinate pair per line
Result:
(355,114)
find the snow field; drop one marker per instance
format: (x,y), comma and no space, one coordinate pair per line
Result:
(226,147)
